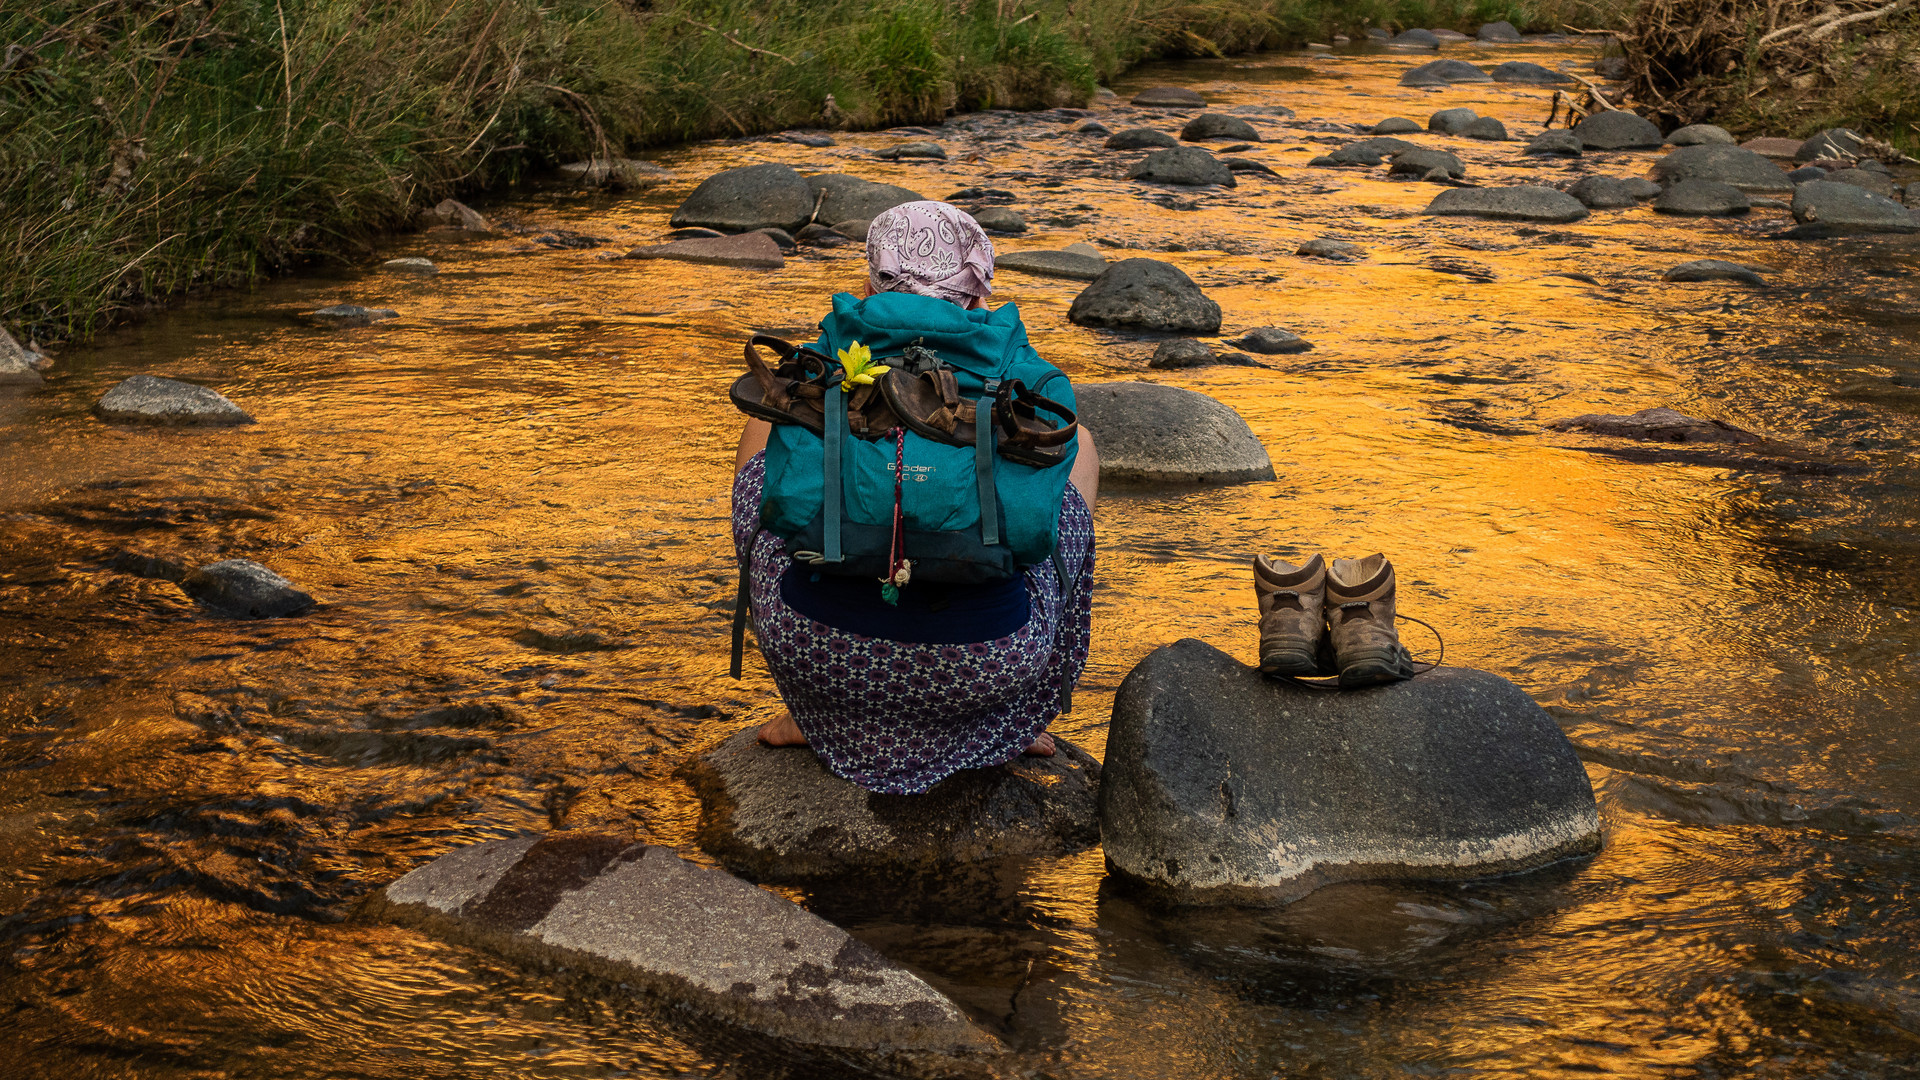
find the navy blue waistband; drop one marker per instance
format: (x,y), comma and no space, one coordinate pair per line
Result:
(929,613)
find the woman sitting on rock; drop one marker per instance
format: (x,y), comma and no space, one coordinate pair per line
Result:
(898,682)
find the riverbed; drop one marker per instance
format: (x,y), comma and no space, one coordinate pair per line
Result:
(511,502)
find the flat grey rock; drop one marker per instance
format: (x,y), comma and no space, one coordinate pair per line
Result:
(1486,128)
(1419,39)
(1325,247)
(1498,33)
(1451,121)
(1175,353)
(1060,264)
(1702,198)
(1612,192)
(1877,182)
(919,149)
(779,815)
(1155,434)
(754,250)
(1219,126)
(1655,425)
(1141,138)
(1700,135)
(1094,127)
(1276,111)
(150,399)
(1421,161)
(18,366)
(1444,73)
(619,173)
(1169,97)
(1846,208)
(244,589)
(816,139)
(1519,71)
(1146,294)
(454,214)
(1271,341)
(1616,129)
(853,228)
(1774,147)
(1524,203)
(1713,270)
(748,198)
(1397,125)
(642,917)
(411,265)
(1188,166)
(1554,144)
(346,316)
(1000,219)
(849,198)
(1842,143)
(1370,151)
(1744,169)
(1225,787)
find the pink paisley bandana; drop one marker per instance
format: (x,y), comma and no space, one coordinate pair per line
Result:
(932,249)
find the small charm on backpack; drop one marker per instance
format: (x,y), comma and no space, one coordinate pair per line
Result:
(890,587)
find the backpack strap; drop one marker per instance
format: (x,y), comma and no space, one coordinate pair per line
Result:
(1066,612)
(739,622)
(983,469)
(836,437)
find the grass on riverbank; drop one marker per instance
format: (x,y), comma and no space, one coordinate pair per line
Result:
(1782,67)
(152,147)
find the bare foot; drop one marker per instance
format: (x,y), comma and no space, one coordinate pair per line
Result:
(1042,746)
(782,731)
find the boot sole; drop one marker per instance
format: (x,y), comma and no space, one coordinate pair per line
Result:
(1289,663)
(1374,672)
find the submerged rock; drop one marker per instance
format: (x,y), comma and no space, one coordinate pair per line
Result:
(1141,138)
(150,399)
(1617,129)
(410,265)
(1326,247)
(1146,294)
(347,316)
(779,815)
(1219,126)
(1169,97)
(757,250)
(1186,165)
(1524,203)
(1713,270)
(641,916)
(1725,164)
(1060,264)
(1655,425)
(1702,198)
(1223,786)
(620,173)
(748,198)
(1554,143)
(1000,219)
(1451,121)
(1271,341)
(1444,73)
(1151,434)
(1846,208)
(1397,125)
(1415,39)
(1612,192)
(908,151)
(1370,151)
(245,589)
(1519,71)
(1700,135)
(1188,353)
(849,198)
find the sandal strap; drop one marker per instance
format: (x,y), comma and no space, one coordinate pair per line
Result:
(1016,399)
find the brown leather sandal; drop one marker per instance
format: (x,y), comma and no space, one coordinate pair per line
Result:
(930,404)
(1026,436)
(793,393)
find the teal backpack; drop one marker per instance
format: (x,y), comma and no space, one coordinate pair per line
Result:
(852,502)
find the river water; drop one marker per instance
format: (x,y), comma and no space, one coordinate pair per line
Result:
(512,504)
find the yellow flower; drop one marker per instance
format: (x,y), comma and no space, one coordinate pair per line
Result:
(860,366)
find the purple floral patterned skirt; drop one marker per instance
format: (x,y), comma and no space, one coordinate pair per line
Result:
(899,717)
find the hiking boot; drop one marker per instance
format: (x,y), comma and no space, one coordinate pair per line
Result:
(1360,615)
(1292,599)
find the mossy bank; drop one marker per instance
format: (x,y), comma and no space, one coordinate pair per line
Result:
(148,149)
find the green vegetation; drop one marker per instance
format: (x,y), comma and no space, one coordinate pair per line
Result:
(153,147)
(1786,67)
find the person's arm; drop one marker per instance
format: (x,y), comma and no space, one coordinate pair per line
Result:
(753,439)
(1086,468)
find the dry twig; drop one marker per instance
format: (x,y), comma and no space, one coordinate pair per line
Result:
(730,36)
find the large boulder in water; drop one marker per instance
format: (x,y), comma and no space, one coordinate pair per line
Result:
(1846,208)
(748,198)
(779,815)
(150,399)
(849,198)
(1499,33)
(1223,786)
(1524,203)
(1186,165)
(1617,129)
(1146,294)
(1076,265)
(642,917)
(245,589)
(1701,135)
(1141,138)
(1612,192)
(1702,198)
(1444,73)
(1841,143)
(1219,126)
(1451,121)
(754,249)
(1724,164)
(1519,71)
(1149,433)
